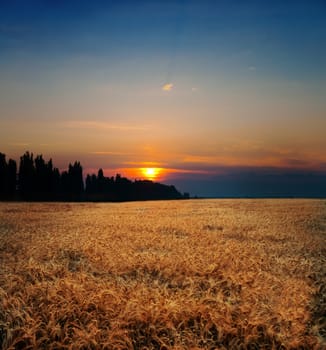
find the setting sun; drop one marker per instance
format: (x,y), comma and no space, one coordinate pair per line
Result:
(150,173)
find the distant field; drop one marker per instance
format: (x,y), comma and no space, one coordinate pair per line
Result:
(197,274)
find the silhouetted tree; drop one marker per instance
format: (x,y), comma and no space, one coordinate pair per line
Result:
(3,176)
(118,188)
(88,184)
(65,186)
(39,180)
(101,182)
(100,174)
(44,186)
(12,178)
(26,177)
(56,184)
(149,190)
(76,178)
(7,178)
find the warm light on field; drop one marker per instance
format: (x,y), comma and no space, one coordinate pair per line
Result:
(195,274)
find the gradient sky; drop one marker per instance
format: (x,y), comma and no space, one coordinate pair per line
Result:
(227,97)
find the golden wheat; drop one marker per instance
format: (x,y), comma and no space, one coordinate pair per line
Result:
(197,274)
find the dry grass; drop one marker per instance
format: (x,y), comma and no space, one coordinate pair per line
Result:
(204,274)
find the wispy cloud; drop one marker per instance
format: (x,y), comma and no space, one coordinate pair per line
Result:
(167,87)
(199,159)
(144,164)
(89,124)
(19,144)
(108,153)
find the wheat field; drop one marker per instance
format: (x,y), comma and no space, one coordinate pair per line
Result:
(196,274)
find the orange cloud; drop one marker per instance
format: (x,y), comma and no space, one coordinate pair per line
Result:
(89,124)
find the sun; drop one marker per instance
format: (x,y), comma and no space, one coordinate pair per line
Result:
(150,173)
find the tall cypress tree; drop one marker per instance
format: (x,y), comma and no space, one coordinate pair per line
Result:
(3,176)
(26,177)
(12,178)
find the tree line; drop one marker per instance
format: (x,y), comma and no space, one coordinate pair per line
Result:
(36,179)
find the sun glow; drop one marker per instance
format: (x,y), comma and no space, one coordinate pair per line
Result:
(150,173)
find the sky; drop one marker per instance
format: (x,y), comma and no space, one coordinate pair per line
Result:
(220,98)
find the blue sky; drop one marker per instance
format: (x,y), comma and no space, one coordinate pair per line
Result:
(245,85)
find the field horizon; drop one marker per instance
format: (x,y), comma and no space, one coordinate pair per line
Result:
(197,274)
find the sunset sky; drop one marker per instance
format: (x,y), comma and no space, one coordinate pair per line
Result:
(224,98)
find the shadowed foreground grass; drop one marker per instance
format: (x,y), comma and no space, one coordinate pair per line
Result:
(204,274)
